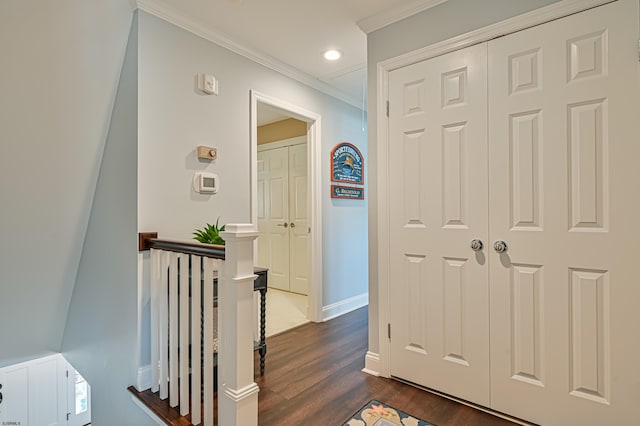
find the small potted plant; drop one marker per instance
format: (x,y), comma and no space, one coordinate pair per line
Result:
(210,234)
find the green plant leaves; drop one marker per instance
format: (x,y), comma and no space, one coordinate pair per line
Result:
(210,234)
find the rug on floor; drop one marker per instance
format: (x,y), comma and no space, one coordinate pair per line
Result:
(375,413)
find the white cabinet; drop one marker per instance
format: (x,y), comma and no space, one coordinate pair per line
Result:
(42,392)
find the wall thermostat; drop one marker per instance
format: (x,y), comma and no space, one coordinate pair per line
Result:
(206,183)
(207,84)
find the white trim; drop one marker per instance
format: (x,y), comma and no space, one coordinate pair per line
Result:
(240,394)
(314,193)
(388,17)
(344,306)
(174,17)
(147,411)
(372,364)
(143,381)
(298,140)
(383,222)
(517,23)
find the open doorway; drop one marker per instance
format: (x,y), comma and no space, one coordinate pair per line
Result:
(286,209)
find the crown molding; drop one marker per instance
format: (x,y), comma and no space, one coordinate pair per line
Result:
(388,17)
(174,17)
(344,71)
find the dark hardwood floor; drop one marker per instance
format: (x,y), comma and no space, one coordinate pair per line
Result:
(313,377)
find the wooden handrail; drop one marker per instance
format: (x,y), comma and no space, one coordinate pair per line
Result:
(150,240)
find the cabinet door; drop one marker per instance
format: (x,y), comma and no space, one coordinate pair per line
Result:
(563,185)
(34,392)
(15,395)
(438,289)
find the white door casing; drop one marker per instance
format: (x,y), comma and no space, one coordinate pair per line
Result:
(438,204)
(563,101)
(314,208)
(563,182)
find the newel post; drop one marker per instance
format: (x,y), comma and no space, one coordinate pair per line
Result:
(237,392)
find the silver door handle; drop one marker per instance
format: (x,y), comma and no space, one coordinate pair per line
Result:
(293,225)
(500,246)
(283,224)
(476,245)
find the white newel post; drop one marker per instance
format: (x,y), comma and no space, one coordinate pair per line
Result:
(237,392)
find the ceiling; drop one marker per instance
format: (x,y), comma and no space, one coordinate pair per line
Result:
(290,35)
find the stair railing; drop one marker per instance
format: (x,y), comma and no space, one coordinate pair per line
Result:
(182,326)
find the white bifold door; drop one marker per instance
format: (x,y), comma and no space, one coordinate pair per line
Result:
(283,224)
(514,205)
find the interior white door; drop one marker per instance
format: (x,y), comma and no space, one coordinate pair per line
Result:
(439,297)
(78,399)
(563,181)
(299,220)
(273,215)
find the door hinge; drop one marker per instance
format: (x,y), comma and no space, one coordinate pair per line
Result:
(389,330)
(638,50)
(67,373)
(387,108)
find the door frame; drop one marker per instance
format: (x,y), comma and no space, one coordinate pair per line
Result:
(314,192)
(380,363)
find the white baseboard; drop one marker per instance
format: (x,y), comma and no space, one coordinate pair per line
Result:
(143,381)
(344,306)
(372,364)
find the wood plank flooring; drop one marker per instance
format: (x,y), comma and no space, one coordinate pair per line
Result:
(313,377)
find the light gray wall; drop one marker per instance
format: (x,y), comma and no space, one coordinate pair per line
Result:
(100,336)
(58,78)
(175,118)
(445,21)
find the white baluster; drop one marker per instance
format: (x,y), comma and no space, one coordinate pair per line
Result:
(196,340)
(207,297)
(173,329)
(163,344)
(154,289)
(184,333)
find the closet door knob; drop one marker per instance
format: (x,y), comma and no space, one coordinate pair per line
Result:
(293,225)
(500,246)
(476,245)
(283,224)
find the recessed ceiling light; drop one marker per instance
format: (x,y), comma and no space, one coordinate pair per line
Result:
(332,54)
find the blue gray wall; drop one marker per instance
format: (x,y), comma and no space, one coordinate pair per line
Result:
(100,337)
(58,79)
(175,118)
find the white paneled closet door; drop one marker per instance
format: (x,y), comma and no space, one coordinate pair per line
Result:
(439,296)
(547,329)
(299,217)
(563,185)
(283,217)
